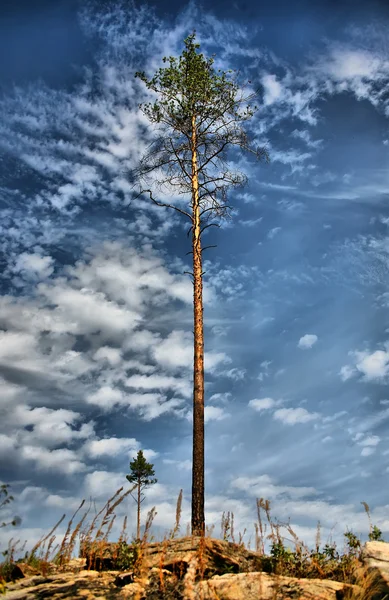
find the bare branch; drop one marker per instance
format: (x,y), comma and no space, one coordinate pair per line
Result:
(219,151)
(183,212)
(180,162)
(220,207)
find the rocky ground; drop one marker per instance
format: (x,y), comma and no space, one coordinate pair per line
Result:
(226,571)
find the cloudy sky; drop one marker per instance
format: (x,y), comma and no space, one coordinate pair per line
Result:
(95,312)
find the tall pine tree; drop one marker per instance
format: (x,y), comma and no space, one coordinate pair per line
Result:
(201,113)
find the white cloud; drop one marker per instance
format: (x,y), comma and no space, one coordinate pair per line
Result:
(109,446)
(371,440)
(105,353)
(368,443)
(175,351)
(335,417)
(224,398)
(141,340)
(350,67)
(307,341)
(105,299)
(292,416)
(305,136)
(235,374)
(152,405)
(34,265)
(7,444)
(60,461)
(50,427)
(368,451)
(212,360)
(11,394)
(74,363)
(65,195)
(64,503)
(273,232)
(103,484)
(250,222)
(260,404)
(88,311)
(373,366)
(137,365)
(15,345)
(272,89)
(276,186)
(265,365)
(293,158)
(279,373)
(159,382)
(183,465)
(349,64)
(214,413)
(263,486)
(106,397)
(346,372)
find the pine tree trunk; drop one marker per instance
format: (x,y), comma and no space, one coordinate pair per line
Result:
(198,519)
(138,520)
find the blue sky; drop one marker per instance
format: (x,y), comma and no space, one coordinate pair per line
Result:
(96,313)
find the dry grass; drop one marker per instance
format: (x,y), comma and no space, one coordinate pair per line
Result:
(94,545)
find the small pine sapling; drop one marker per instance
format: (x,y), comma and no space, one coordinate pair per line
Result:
(141,472)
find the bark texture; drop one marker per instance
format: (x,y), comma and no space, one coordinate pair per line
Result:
(198,519)
(138,514)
